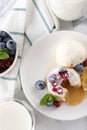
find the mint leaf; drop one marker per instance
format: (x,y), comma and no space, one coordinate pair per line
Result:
(56,98)
(3,55)
(46,99)
(49,98)
(4,50)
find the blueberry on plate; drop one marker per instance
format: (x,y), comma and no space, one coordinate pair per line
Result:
(79,68)
(11,44)
(40,84)
(2,45)
(52,78)
(62,70)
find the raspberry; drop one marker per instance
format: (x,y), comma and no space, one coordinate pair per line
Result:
(10,59)
(56,104)
(64,75)
(84,63)
(7,64)
(54,89)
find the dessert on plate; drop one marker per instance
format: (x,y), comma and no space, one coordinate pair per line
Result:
(67,80)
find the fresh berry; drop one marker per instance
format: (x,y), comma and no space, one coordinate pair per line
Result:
(54,89)
(84,63)
(7,64)
(6,39)
(52,78)
(40,84)
(79,68)
(11,44)
(62,70)
(11,59)
(11,52)
(3,34)
(2,45)
(2,65)
(7,42)
(57,104)
(64,74)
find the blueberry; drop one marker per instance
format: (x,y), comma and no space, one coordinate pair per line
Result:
(6,39)
(2,45)
(40,84)
(11,44)
(3,34)
(52,78)
(11,52)
(62,70)
(79,68)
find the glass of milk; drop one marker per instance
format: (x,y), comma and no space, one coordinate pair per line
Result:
(15,115)
(68,9)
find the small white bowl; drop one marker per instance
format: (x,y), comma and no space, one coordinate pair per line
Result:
(15,59)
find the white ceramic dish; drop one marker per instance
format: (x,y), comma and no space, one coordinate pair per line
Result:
(15,59)
(33,68)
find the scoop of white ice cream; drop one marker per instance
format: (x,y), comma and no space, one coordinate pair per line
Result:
(70,53)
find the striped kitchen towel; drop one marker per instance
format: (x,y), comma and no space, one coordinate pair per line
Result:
(27,21)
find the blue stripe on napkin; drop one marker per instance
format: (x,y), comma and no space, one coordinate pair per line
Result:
(46,24)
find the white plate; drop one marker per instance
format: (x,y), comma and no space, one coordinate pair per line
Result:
(33,68)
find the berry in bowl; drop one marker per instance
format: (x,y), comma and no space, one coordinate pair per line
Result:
(8,52)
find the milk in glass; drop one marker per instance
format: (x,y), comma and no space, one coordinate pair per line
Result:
(14,116)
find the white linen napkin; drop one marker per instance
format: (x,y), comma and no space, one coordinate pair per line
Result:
(27,21)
